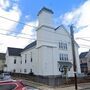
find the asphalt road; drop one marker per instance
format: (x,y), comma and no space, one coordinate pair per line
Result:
(85,86)
(31,88)
(29,85)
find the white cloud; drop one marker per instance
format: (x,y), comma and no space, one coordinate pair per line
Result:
(29,30)
(4,3)
(5,24)
(27,35)
(80,17)
(13,14)
(12,40)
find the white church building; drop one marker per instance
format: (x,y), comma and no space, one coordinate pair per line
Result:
(49,55)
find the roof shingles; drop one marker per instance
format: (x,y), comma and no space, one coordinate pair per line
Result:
(14,51)
(17,51)
(82,55)
(30,45)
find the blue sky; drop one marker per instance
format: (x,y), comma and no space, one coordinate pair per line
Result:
(66,12)
(31,7)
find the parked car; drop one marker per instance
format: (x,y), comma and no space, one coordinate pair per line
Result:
(5,76)
(12,85)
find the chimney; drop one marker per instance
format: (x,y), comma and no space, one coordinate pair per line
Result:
(45,17)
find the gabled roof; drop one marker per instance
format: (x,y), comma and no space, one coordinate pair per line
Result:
(14,51)
(83,54)
(30,45)
(2,56)
(63,27)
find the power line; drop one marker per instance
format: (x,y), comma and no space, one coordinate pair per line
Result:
(17,36)
(18,22)
(28,25)
(81,45)
(31,38)
(14,32)
(83,39)
(47,31)
(39,40)
(84,45)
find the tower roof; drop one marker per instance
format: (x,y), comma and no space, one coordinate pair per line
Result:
(46,10)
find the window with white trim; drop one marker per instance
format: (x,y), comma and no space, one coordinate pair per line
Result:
(63,57)
(63,45)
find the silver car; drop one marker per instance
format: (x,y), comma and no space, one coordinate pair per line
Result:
(5,76)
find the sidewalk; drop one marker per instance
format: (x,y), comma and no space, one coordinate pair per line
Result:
(46,87)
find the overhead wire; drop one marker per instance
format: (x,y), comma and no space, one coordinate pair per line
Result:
(18,22)
(81,45)
(30,38)
(16,36)
(1,29)
(33,27)
(42,29)
(34,38)
(84,45)
(23,23)
(26,24)
(83,39)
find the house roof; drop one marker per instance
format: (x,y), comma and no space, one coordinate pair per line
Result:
(83,65)
(83,54)
(2,56)
(17,51)
(14,51)
(30,45)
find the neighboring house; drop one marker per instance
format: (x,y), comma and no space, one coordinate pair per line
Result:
(2,61)
(49,55)
(85,62)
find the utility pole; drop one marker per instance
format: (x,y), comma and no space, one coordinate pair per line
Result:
(74,57)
